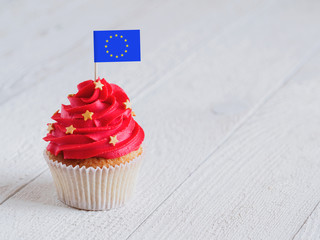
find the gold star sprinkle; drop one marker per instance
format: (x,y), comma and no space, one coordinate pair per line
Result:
(87,115)
(98,84)
(70,129)
(113,140)
(50,127)
(127,104)
(133,114)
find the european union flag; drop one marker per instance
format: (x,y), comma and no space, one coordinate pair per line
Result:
(116,46)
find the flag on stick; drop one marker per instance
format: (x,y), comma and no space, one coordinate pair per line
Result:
(117,46)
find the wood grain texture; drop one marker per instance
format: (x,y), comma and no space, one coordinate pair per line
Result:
(24,138)
(190,98)
(262,183)
(41,33)
(58,35)
(310,230)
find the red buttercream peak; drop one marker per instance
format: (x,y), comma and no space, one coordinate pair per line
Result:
(98,112)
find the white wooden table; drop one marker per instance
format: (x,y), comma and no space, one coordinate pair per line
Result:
(228,93)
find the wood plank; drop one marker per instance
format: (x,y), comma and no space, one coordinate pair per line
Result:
(62,76)
(54,30)
(262,184)
(40,33)
(199,101)
(310,230)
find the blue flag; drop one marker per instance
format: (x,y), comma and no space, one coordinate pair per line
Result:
(116,46)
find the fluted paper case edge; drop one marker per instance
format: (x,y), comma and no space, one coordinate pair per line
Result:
(95,188)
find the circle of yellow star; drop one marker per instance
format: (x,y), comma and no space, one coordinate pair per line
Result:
(98,84)
(87,115)
(50,127)
(113,140)
(70,129)
(120,55)
(127,104)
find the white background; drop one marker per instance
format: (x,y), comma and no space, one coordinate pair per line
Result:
(228,93)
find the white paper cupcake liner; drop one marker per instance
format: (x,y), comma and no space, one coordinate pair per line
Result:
(94,188)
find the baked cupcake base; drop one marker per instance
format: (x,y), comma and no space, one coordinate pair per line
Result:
(99,188)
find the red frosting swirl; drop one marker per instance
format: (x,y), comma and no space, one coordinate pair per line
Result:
(107,131)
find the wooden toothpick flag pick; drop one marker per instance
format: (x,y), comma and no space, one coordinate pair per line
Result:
(116,46)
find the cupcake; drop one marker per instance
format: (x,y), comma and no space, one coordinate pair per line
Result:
(94,151)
